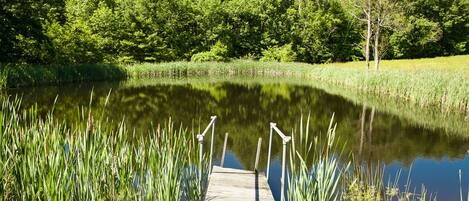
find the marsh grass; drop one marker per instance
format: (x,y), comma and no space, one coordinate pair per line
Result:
(441,82)
(45,159)
(319,172)
(316,170)
(437,82)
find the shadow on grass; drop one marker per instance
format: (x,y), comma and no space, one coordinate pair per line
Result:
(17,75)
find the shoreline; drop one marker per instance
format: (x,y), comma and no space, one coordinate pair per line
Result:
(441,83)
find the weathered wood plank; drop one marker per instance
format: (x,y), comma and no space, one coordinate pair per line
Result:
(232,185)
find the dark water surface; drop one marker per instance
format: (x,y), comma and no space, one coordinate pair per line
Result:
(245,110)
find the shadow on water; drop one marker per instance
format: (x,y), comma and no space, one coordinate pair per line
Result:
(373,132)
(30,75)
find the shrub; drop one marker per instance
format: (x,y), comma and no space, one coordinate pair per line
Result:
(282,54)
(218,52)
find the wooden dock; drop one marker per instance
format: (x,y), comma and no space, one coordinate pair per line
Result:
(229,184)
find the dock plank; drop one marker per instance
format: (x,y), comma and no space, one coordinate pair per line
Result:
(230,184)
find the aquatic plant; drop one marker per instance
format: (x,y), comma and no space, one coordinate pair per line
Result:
(46,159)
(319,172)
(316,171)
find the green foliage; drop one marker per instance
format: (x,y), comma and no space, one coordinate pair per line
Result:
(320,172)
(17,75)
(281,54)
(418,37)
(321,179)
(448,20)
(93,159)
(325,33)
(128,31)
(218,52)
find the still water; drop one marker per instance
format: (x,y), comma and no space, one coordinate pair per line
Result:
(431,155)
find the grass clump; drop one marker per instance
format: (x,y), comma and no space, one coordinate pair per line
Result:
(43,159)
(319,173)
(315,172)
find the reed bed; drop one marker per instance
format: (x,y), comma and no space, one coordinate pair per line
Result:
(436,82)
(319,172)
(45,159)
(441,82)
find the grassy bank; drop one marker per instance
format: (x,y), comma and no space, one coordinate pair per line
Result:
(18,75)
(438,82)
(429,117)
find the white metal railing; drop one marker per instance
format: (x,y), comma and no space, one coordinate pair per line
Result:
(285,140)
(201,138)
(273,127)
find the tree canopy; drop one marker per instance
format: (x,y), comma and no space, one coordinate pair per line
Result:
(108,31)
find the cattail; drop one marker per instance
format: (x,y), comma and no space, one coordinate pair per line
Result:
(89,127)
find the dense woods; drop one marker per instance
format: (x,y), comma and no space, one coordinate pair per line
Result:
(110,31)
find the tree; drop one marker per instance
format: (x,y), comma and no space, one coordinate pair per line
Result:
(319,31)
(382,11)
(22,32)
(361,10)
(323,32)
(430,28)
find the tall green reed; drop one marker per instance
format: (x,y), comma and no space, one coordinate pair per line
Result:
(45,159)
(315,170)
(320,169)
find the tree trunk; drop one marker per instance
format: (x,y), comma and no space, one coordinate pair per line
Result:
(376,51)
(368,36)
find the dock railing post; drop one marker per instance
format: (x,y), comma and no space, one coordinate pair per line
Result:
(285,140)
(270,149)
(258,152)
(282,180)
(224,150)
(211,144)
(200,138)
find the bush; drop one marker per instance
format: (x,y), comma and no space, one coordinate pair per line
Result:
(218,52)
(281,54)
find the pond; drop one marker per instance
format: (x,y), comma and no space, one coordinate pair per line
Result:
(431,153)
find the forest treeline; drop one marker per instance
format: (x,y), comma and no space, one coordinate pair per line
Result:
(108,31)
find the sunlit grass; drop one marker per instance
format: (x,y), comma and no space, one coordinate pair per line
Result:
(441,82)
(319,172)
(44,159)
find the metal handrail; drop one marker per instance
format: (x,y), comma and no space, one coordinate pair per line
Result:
(200,138)
(285,140)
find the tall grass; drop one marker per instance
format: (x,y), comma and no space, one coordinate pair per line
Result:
(437,82)
(318,173)
(45,159)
